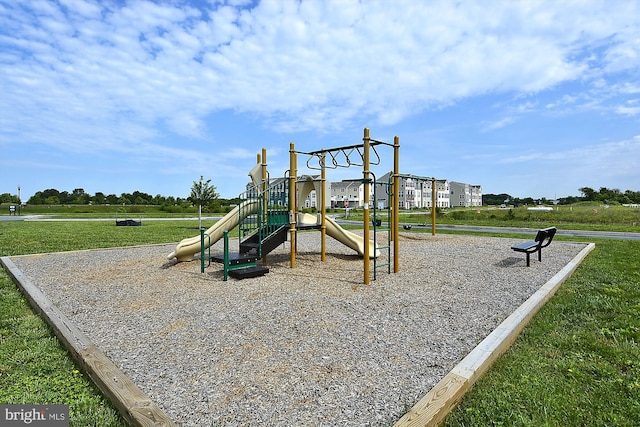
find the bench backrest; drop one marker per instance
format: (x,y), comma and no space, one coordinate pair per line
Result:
(545,236)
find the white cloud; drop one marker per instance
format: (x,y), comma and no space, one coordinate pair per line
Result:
(505,121)
(628,111)
(620,158)
(313,65)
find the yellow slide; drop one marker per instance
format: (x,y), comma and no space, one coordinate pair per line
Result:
(350,239)
(343,236)
(188,247)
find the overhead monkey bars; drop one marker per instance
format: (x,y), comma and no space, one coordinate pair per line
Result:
(346,152)
(344,157)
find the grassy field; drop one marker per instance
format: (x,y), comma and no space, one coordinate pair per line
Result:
(34,367)
(578,363)
(575,217)
(106,211)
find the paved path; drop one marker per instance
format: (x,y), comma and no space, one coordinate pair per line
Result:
(476,228)
(560,232)
(16,217)
(54,218)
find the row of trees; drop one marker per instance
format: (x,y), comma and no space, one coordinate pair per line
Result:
(604,195)
(78,196)
(202,194)
(610,195)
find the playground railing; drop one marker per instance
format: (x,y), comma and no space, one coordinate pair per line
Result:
(204,248)
(377,227)
(271,213)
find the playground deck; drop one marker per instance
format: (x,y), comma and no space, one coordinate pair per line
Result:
(304,346)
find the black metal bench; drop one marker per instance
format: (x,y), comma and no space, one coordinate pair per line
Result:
(542,240)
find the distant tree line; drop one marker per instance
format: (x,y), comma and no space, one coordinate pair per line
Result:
(8,198)
(78,196)
(604,195)
(610,195)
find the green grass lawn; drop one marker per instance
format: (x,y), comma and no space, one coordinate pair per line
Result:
(575,217)
(577,363)
(34,366)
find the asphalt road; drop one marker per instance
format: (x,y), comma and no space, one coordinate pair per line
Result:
(14,217)
(560,232)
(476,228)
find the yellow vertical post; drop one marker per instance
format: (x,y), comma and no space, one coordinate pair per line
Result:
(323,209)
(392,196)
(434,202)
(396,204)
(259,187)
(293,174)
(265,193)
(365,176)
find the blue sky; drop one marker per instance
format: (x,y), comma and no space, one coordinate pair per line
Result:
(530,98)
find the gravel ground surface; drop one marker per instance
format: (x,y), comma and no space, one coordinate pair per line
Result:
(309,346)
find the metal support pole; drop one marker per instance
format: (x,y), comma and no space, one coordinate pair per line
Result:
(202,267)
(265,194)
(396,204)
(293,173)
(323,209)
(434,201)
(365,176)
(225,234)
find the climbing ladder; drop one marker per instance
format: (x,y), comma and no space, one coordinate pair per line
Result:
(260,231)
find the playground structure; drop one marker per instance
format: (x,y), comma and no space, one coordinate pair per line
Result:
(268,215)
(344,157)
(187,248)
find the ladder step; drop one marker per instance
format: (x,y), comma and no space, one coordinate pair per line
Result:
(249,246)
(235,259)
(247,272)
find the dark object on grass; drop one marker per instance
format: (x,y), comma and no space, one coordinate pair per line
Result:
(129,222)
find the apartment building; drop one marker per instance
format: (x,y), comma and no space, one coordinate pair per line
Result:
(466,195)
(415,193)
(349,193)
(279,193)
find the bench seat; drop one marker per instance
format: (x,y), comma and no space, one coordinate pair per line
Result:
(542,240)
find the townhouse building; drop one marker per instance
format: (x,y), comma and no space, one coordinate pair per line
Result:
(349,193)
(466,195)
(415,193)
(279,193)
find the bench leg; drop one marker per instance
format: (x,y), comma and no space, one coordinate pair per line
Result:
(527,259)
(540,255)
